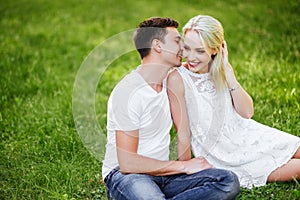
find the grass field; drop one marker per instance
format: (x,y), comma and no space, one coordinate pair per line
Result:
(44,43)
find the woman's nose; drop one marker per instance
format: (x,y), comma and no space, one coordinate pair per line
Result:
(190,55)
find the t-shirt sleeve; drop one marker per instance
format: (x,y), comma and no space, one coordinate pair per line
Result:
(125,109)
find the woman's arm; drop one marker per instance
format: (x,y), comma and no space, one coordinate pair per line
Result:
(241,100)
(179,114)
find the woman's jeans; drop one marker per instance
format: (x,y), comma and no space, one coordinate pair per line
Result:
(207,184)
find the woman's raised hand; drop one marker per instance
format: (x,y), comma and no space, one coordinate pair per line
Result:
(229,73)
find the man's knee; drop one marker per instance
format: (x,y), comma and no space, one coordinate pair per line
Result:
(135,186)
(233,184)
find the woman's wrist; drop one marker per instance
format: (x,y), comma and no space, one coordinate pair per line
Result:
(233,84)
(234,88)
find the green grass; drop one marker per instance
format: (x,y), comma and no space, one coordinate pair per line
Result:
(43,44)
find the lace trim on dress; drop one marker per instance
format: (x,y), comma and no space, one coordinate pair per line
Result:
(202,82)
(202,76)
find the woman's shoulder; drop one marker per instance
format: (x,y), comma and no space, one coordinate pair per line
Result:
(174,75)
(175,81)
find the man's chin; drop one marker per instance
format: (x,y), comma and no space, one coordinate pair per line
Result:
(178,65)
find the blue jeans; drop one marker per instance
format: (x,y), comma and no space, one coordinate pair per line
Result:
(207,184)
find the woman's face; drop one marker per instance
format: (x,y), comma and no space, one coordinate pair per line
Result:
(194,52)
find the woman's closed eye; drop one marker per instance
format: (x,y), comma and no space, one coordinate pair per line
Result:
(186,47)
(200,51)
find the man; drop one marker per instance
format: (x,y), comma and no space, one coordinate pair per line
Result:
(136,164)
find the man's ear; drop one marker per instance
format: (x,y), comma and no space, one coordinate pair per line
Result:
(156,45)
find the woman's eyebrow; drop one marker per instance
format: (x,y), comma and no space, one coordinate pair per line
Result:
(198,48)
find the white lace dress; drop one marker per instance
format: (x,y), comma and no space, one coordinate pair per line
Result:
(244,146)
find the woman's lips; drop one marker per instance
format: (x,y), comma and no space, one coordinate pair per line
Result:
(193,64)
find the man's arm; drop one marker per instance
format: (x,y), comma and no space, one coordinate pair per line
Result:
(131,162)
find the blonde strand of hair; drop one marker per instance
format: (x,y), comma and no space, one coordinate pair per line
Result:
(217,71)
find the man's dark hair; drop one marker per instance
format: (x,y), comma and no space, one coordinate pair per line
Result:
(150,29)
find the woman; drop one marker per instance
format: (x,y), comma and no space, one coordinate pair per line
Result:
(208,102)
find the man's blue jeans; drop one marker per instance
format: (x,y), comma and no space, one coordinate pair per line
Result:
(207,184)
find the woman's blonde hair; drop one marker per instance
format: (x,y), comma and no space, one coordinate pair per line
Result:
(211,34)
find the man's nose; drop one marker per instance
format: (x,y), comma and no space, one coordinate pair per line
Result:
(181,44)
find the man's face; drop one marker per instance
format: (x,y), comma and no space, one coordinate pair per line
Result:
(171,48)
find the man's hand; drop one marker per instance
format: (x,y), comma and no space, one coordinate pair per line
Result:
(196,164)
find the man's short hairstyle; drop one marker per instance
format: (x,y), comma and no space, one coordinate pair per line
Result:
(150,29)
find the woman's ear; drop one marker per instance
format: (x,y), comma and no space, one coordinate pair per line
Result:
(156,45)
(214,52)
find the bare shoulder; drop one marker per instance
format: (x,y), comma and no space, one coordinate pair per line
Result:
(174,78)
(175,82)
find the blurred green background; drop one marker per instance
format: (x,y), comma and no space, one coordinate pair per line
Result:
(43,44)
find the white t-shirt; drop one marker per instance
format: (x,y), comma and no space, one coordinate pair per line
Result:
(134,105)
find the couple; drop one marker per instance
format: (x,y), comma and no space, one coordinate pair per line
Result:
(209,109)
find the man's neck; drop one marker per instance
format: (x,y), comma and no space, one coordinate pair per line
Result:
(153,74)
